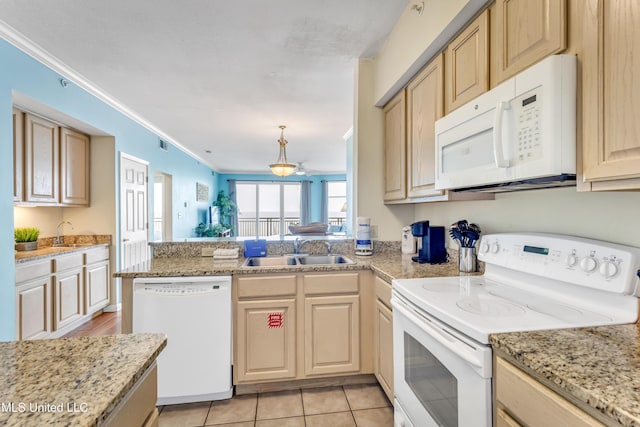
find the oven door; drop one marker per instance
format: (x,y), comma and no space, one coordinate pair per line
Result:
(441,377)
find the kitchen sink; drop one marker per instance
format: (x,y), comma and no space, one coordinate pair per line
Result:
(324,260)
(287,260)
(74,245)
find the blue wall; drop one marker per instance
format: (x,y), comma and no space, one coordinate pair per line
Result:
(21,73)
(316,187)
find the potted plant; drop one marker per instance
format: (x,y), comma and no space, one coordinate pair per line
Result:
(26,238)
(226,209)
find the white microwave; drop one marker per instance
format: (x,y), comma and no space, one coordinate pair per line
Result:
(519,135)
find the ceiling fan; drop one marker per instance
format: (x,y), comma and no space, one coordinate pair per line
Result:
(300,169)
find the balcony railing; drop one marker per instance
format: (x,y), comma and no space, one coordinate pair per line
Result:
(271,226)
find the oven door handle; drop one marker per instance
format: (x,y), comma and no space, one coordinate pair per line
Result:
(451,343)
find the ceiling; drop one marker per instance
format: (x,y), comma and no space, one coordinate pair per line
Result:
(221,76)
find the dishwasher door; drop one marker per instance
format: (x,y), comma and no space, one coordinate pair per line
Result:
(195,314)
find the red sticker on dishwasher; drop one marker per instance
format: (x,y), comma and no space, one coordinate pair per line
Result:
(275,320)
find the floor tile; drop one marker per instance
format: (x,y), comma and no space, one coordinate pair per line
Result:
(185,415)
(236,410)
(282,422)
(337,419)
(244,424)
(379,417)
(365,396)
(279,405)
(324,400)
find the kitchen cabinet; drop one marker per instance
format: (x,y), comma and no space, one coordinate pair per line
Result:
(520,400)
(68,287)
(41,157)
(331,323)
(18,154)
(467,63)
(383,337)
(395,146)
(610,127)
(97,280)
(265,328)
(74,168)
(33,301)
(526,31)
(138,407)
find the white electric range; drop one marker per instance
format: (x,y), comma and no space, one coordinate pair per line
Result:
(532,282)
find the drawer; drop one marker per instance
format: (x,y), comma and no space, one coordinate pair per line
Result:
(532,403)
(65,262)
(261,286)
(95,255)
(383,291)
(330,283)
(30,270)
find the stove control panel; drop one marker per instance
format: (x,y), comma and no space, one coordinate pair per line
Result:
(584,262)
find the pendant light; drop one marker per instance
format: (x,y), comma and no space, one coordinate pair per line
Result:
(282,167)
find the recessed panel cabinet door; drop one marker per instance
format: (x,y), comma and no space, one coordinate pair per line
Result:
(68,298)
(42,163)
(97,286)
(74,168)
(395,148)
(33,302)
(383,342)
(611,94)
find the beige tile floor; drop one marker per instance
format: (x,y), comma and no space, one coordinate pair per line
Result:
(347,406)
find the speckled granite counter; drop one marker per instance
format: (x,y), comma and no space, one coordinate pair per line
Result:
(597,369)
(73,243)
(71,381)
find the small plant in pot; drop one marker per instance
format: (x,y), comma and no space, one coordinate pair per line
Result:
(26,238)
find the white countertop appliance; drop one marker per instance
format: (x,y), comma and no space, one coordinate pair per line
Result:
(441,326)
(519,135)
(195,314)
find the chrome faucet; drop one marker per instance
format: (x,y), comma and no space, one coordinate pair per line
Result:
(59,240)
(297,244)
(328,245)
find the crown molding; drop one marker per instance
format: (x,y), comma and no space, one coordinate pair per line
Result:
(18,40)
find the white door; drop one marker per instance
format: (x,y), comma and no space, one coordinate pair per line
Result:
(134,224)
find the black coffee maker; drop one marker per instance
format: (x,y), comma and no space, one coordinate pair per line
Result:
(432,250)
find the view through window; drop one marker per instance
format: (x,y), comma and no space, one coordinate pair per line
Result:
(267,208)
(337,204)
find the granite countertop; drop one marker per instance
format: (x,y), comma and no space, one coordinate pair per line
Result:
(71,381)
(74,243)
(596,368)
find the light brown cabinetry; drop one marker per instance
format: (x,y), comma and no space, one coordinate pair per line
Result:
(42,164)
(18,154)
(611,130)
(74,168)
(33,300)
(521,400)
(68,292)
(526,32)
(395,149)
(467,63)
(331,323)
(383,337)
(138,407)
(265,338)
(97,280)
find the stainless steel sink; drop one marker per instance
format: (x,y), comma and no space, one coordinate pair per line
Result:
(74,245)
(270,261)
(324,260)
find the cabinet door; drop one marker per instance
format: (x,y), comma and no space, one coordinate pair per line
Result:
(611,129)
(395,162)
(266,339)
(383,342)
(41,160)
(332,334)
(97,285)
(33,315)
(18,156)
(527,31)
(74,168)
(467,63)
(67,294)
(424,107)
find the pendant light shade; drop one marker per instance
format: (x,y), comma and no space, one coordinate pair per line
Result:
(282,167)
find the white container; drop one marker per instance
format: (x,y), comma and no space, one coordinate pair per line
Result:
(409,242)
(364,246)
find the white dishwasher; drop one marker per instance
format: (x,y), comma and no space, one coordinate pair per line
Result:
(195,314)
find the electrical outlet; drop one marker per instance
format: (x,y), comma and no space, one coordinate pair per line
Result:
(206,252)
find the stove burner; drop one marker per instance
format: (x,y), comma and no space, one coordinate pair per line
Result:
(568,314)
(490,307)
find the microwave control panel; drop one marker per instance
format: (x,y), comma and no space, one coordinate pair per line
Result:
(527,120)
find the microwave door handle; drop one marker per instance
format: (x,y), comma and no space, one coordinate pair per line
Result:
(498,153)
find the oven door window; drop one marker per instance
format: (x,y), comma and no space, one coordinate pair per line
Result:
(433,384)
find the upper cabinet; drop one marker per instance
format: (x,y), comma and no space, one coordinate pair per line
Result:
(610,102)
(467,63)
(51,163)
(526,31)
(395,157)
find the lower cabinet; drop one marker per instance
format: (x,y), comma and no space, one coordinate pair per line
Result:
(520,400)
(97,280)
(383,337)
(67,296)
(33,302)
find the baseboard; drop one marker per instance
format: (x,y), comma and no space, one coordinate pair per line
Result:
(113,308)
(306,383)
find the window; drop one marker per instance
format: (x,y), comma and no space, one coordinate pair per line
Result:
(336,202)
(267,208)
